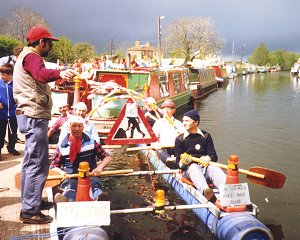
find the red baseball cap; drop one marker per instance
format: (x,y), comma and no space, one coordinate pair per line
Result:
(37,33)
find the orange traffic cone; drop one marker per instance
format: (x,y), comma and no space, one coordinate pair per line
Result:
(233,170)
(232,178)
(84,183)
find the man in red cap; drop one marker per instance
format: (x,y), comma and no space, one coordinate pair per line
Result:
(33,97)
(167,129)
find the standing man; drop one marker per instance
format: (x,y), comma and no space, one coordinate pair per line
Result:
(33,97)
(198,143)
(7,109)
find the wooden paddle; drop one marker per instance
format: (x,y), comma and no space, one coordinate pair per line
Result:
(259,175)
(132,149)
(54,178)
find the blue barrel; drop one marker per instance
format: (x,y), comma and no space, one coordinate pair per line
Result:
(86,233)
(242,226)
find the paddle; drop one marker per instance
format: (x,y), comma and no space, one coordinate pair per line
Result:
(54,178)
(259,175)
(132,149)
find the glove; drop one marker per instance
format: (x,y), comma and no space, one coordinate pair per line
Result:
(185,160)
(204,160)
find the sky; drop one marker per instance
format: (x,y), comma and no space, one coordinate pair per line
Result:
(272,22)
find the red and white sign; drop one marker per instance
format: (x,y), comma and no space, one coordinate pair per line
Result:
(131,127)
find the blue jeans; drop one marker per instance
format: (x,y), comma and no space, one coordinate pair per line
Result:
(35,166)
(70,188)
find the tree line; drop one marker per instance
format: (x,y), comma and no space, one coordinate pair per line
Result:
(263,57)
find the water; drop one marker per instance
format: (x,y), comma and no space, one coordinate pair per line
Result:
(256,117)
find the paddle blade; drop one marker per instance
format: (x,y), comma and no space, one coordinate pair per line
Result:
(49,183)
(272,179)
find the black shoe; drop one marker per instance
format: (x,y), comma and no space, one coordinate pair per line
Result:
(46,205)
(14,152)
(37,218)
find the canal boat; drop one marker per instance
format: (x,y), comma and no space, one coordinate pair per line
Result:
(106,95)
(228,226)
(202,82)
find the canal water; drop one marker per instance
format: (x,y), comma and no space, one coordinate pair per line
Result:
(256,117)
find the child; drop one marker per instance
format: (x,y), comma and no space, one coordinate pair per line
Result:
(7,109)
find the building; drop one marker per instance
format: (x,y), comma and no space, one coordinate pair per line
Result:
(143,52)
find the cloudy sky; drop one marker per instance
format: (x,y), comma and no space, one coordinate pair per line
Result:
(272,22)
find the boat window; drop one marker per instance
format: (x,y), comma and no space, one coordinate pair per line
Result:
(163,85)
(186,80)
(176,80)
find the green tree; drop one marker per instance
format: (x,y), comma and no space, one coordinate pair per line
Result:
(84,51)
(7,44)
(191,34)
(62,50)
(289,59)
(260,56)
(276,58)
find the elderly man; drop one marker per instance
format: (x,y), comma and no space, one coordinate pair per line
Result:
(198,143)
(75,148)
(33,97)
(80,109)
(167,129)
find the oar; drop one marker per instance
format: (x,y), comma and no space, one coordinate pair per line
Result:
(259,175)
(132,149)
(53,146)
(54,179)
(152,209)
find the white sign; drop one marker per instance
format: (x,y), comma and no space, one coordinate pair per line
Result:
(83,213)
(234,194)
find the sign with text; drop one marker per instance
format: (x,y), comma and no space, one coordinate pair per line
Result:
(234,194)
(83,213)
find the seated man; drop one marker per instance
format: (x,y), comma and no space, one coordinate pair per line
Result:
(78,147)
(198,143)
(80,109)
(54,130)
(167,129)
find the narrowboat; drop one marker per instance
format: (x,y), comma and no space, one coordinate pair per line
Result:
(106,95)
(202,82)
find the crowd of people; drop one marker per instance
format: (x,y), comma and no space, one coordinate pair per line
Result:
(25,103)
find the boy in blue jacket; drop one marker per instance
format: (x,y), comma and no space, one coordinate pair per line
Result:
(7,109)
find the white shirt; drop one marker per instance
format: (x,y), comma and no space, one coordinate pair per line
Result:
(165,132)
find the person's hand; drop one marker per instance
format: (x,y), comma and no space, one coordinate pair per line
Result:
(204,160)
(67,74)
(186,159)
(97,171)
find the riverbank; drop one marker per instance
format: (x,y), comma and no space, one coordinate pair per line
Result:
(10,199)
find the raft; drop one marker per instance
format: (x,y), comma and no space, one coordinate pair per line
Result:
(228,226)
